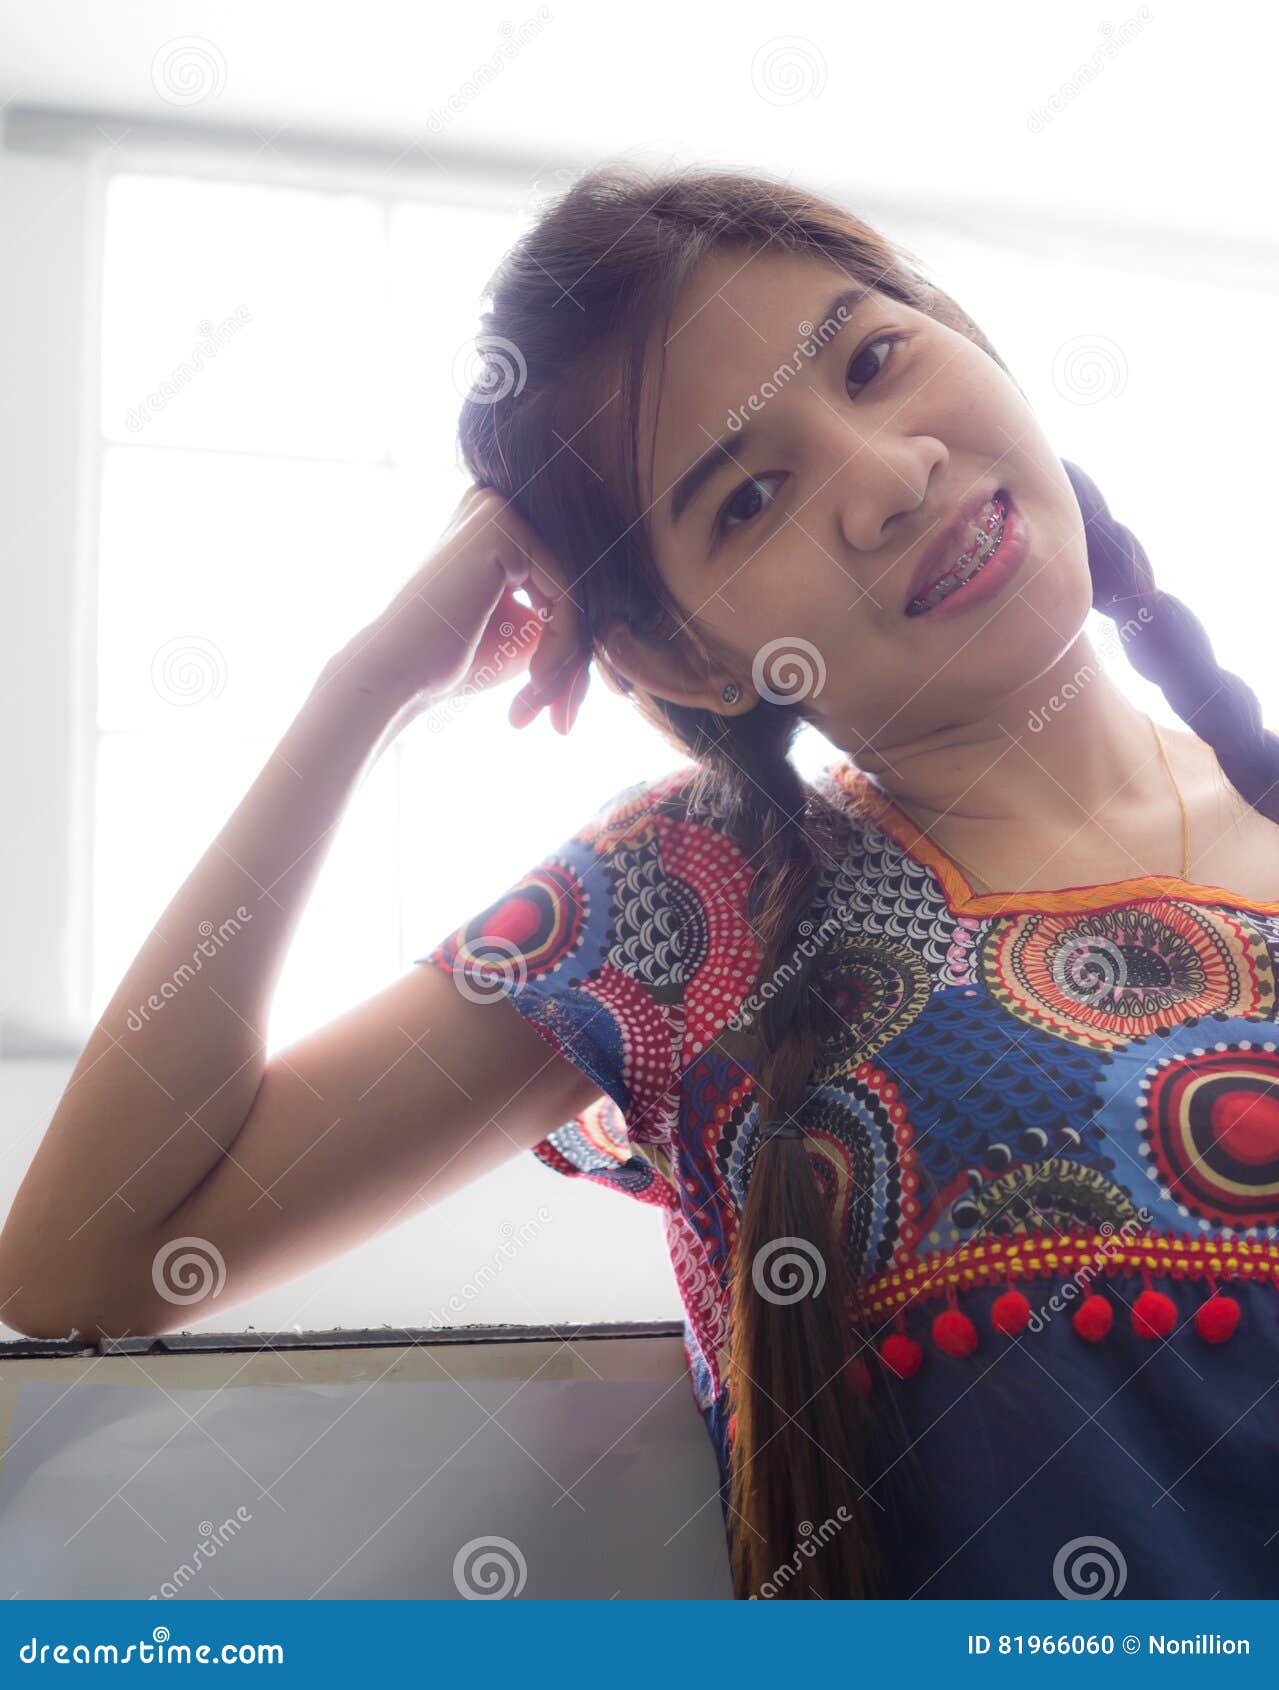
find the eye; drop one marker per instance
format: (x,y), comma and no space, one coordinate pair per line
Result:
(859,357)
(740,507)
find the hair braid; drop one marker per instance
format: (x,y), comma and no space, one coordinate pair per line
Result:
(789,1384)
(1172,649)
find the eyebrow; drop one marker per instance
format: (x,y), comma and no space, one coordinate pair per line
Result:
(729,447)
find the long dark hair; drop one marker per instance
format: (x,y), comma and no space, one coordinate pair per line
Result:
(554,426)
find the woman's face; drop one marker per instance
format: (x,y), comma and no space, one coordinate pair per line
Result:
(857,438)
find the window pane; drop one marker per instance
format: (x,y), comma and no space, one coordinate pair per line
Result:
(483,801)
(161,800)
(245,317)
(441,258)
(226,583)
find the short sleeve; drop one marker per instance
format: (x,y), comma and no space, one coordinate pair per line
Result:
(603,947)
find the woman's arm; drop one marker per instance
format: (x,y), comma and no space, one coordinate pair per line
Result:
(171,1073)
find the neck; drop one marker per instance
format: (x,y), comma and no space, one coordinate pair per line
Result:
(1068,754)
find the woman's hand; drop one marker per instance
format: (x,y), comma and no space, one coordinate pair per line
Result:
(456,624)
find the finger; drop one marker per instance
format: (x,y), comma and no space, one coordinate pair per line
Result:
(542,579)
(507,643)
(568,703)
(558,652)
(529,563)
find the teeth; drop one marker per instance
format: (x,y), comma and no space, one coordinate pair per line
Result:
(990,522)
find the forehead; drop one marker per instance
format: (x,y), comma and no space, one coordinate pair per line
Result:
(738,319)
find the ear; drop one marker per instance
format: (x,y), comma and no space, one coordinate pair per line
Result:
(672,669)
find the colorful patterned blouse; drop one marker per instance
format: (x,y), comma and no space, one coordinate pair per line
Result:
(1049,1134)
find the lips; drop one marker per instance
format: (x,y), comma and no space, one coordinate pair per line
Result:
(959,537)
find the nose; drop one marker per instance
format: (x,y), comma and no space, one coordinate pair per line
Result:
(876,490)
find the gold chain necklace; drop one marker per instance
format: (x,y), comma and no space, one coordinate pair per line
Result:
(1185,819)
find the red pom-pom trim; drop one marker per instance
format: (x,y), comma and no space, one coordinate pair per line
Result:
(902,1354)
(1093,1318)
(1216,1319)
(1010,1313)
(954,1333)
(1153,1315)
(858,1375)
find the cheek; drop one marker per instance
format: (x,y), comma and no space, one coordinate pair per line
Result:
(1057,585)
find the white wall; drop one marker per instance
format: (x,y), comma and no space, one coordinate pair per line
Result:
(43,212)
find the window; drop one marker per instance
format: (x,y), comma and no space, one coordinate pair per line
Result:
(281,374)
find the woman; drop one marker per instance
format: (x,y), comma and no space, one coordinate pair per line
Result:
(949,1071)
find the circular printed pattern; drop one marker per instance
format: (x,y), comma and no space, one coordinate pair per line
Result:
(876,989)
(1056,1196)
(541,921)
(853,1156)
(1209,1122)
(1103,977)
(854,1162)
(860,1143)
